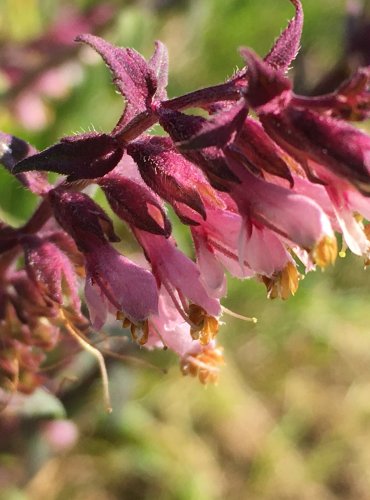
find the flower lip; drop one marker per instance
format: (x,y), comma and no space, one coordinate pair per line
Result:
(128,287)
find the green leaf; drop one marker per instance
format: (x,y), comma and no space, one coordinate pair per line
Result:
(42,404)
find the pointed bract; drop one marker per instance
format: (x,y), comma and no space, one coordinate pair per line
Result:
(353,97)
(351,101)
(258,149)
(269,91)
(182,127)
(333,145)
(82,218)
(50,269)
(132,75)
(158,63)
(136,204)
(339,145)
(84,156)
(286,47)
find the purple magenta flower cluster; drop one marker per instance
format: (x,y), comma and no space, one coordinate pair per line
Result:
(263,178)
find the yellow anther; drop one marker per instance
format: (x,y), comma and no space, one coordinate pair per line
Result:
(204,327)
(284,284)
(367,231)
(325,252)
(139,331)
(205,365)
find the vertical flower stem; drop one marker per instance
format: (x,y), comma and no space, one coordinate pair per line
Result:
(96,353)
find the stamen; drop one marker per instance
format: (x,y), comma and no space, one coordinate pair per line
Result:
(358,217)
(289,280)
(177,304)
(342,252)
(95,352)
(204,365)
(367,231)
(126,323)
(205,327)
(284,284)
(325,252)
(238,316)
(139,331)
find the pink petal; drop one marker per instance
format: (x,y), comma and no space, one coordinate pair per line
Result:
(172,266)
(212,273)
(264,252)
(128,287)
(174,331)
(96,303)
(292,215)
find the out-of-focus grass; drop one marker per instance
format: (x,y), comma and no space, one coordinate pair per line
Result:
(290,418)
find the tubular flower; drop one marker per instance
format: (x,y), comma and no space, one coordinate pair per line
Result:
(127,287)
(199,357)
(121,284)
(262,196)
(182,279)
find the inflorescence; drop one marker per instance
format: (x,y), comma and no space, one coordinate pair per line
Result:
(264,178)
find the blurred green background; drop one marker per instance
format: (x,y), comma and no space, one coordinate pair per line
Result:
(290,418)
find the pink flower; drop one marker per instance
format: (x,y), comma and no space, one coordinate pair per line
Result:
(112,280)
(168,329)
(182,280)
(258,194)
(115,282)
(293,216)
(178,274)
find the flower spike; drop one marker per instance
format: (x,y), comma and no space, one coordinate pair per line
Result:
(264,177)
